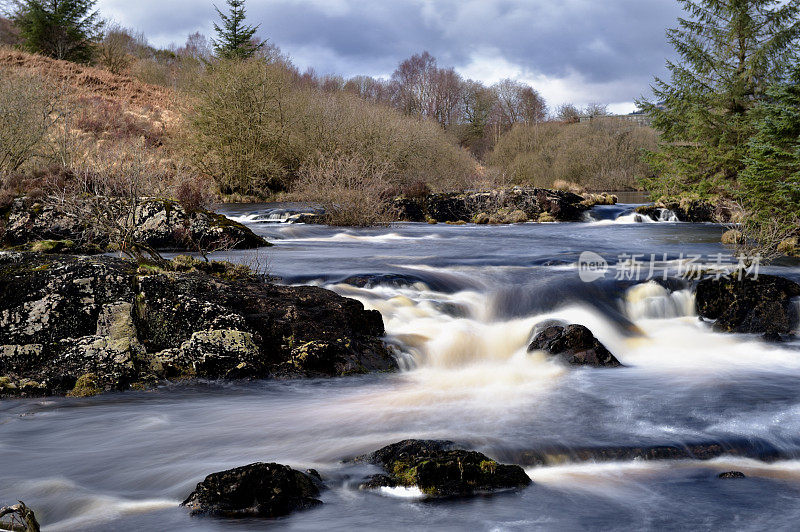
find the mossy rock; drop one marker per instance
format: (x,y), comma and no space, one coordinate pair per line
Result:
(731,237)
(439,469)
(789,246)
(85,386)
(52,246)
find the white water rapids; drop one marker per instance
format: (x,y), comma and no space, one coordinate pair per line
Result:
(459,303)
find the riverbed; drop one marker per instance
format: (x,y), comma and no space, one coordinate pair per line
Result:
(459,303)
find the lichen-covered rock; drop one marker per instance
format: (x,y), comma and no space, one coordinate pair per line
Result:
(440,469)
(161,224)
(575,344)
(749,305)
(255,490)
(64,317)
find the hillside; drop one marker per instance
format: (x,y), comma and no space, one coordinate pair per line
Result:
(89,81)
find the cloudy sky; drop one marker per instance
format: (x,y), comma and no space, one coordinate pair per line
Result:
(577,51)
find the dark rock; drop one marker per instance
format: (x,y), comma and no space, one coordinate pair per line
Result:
(503,206)
(575,344)
(760,305)
(162,224)
(732,474)
(255,490)
(439,469)
(690,210)
(448,208)
(65,317)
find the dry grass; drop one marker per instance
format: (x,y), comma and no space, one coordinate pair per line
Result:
(89,81)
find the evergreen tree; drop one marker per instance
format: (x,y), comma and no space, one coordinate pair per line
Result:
(730,52)
(771,178)
(63,29)
(235,38)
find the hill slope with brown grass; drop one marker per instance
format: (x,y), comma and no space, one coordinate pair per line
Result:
(89,81)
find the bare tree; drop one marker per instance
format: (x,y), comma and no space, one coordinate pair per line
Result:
(594,109)
(518,103)
(424,89)
(115,52)
(568,113)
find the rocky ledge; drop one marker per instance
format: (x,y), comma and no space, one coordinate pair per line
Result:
(440,469)
(761,305)
(164,225)
(82,325)
(513,205)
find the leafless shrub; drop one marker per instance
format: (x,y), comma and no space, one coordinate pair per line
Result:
(192,192)
(350,189)
(27,112)
(603,154)
(109,193)
(763,238)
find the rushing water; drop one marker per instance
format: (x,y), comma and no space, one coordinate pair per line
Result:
(460,302)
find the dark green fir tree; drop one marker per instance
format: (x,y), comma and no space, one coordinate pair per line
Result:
(729,52)
(235,39)
(63,29)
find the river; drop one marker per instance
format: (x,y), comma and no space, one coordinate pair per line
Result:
(459,303)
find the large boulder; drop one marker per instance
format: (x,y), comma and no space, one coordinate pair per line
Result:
(749,304)
(118,326)
(162,224)
(440,469)
(575,344)
(255,490)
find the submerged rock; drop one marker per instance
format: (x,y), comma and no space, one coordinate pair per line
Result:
(575,344)
(440,469)
(760,305)
(85,325)
(255,490)
(704,450)
(732,474)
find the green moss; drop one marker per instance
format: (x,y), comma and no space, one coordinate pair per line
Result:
(51,246)
(85,386)
(405,472)
(488,466)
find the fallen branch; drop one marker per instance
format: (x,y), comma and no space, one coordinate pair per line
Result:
(22,518)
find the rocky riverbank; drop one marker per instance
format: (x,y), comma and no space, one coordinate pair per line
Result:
(83,325)
(165,225)
(514,205)
(693,210)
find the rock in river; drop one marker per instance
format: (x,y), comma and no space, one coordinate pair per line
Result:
(749,305)
(255,490)
(440,469)
(120,327)
(575,344)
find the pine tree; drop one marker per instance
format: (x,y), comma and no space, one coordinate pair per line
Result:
(730,52)
(771,178)
(63,29)
(236,40)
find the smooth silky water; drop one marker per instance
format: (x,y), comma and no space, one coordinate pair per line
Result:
(459,303)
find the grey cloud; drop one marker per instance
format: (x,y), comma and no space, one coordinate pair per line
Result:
(606,41)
